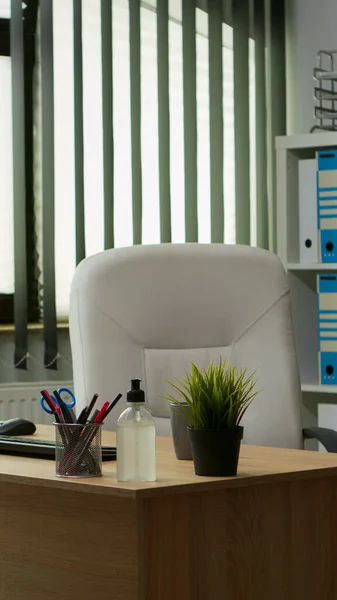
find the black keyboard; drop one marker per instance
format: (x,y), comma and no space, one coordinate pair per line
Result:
(40,448)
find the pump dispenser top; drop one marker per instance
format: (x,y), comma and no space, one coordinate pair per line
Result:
(135,394)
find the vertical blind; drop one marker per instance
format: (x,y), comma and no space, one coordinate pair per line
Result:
(19,183)
(151,126)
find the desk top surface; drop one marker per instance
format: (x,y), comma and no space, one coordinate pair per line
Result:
(256,465)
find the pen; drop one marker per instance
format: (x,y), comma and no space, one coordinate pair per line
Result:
(54,407)
(87,410)
(83,416)
(48,400)
(66,414)
(94,415)
(92,404)
(112,405)
(101,412)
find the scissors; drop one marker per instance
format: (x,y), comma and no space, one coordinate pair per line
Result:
(61,390)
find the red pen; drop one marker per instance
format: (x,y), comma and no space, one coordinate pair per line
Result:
(51,403)
(101,413)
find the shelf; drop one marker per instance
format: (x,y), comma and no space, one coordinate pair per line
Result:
(312,267)
(318,388)
(307,140)
(302,276)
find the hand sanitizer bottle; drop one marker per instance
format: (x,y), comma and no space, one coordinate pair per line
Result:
(136,439)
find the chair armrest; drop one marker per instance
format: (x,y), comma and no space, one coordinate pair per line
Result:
(327,437)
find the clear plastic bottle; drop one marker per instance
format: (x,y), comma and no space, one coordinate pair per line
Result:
(136,439)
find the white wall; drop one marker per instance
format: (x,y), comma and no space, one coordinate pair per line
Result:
(312,26)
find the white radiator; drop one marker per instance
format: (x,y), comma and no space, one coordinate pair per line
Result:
(23,400)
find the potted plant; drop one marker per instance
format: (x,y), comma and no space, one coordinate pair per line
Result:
(216,398)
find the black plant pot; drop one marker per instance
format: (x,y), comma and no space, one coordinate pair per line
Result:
(216,451)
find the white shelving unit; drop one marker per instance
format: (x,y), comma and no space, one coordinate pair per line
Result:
(316,267)
(317,388)
(302,277)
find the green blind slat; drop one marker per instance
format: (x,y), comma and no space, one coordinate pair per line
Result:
(135,92)
(19,184)
(241,119)
(261,125)
(164,120)
(48,243)
(277,74)
(78,121)
(190,119)
(107,118)
(216,118)
(5,40)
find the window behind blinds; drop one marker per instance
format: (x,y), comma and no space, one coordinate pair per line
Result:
(93,139)
(6,187)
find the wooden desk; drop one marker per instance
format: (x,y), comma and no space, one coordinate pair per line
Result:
(268,534)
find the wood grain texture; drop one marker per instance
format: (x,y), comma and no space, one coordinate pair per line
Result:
(256,465)
(268,542)
(268,534)
(66,545)
(165,560)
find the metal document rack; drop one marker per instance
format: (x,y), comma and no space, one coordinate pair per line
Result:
(325,91)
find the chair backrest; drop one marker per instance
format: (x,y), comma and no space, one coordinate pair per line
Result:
(147,311)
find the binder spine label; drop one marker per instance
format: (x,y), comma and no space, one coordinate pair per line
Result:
(327,204)
(327,328)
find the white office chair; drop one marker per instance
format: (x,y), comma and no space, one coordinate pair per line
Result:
(147,311)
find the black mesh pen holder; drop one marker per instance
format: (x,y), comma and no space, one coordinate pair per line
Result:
(78,450)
